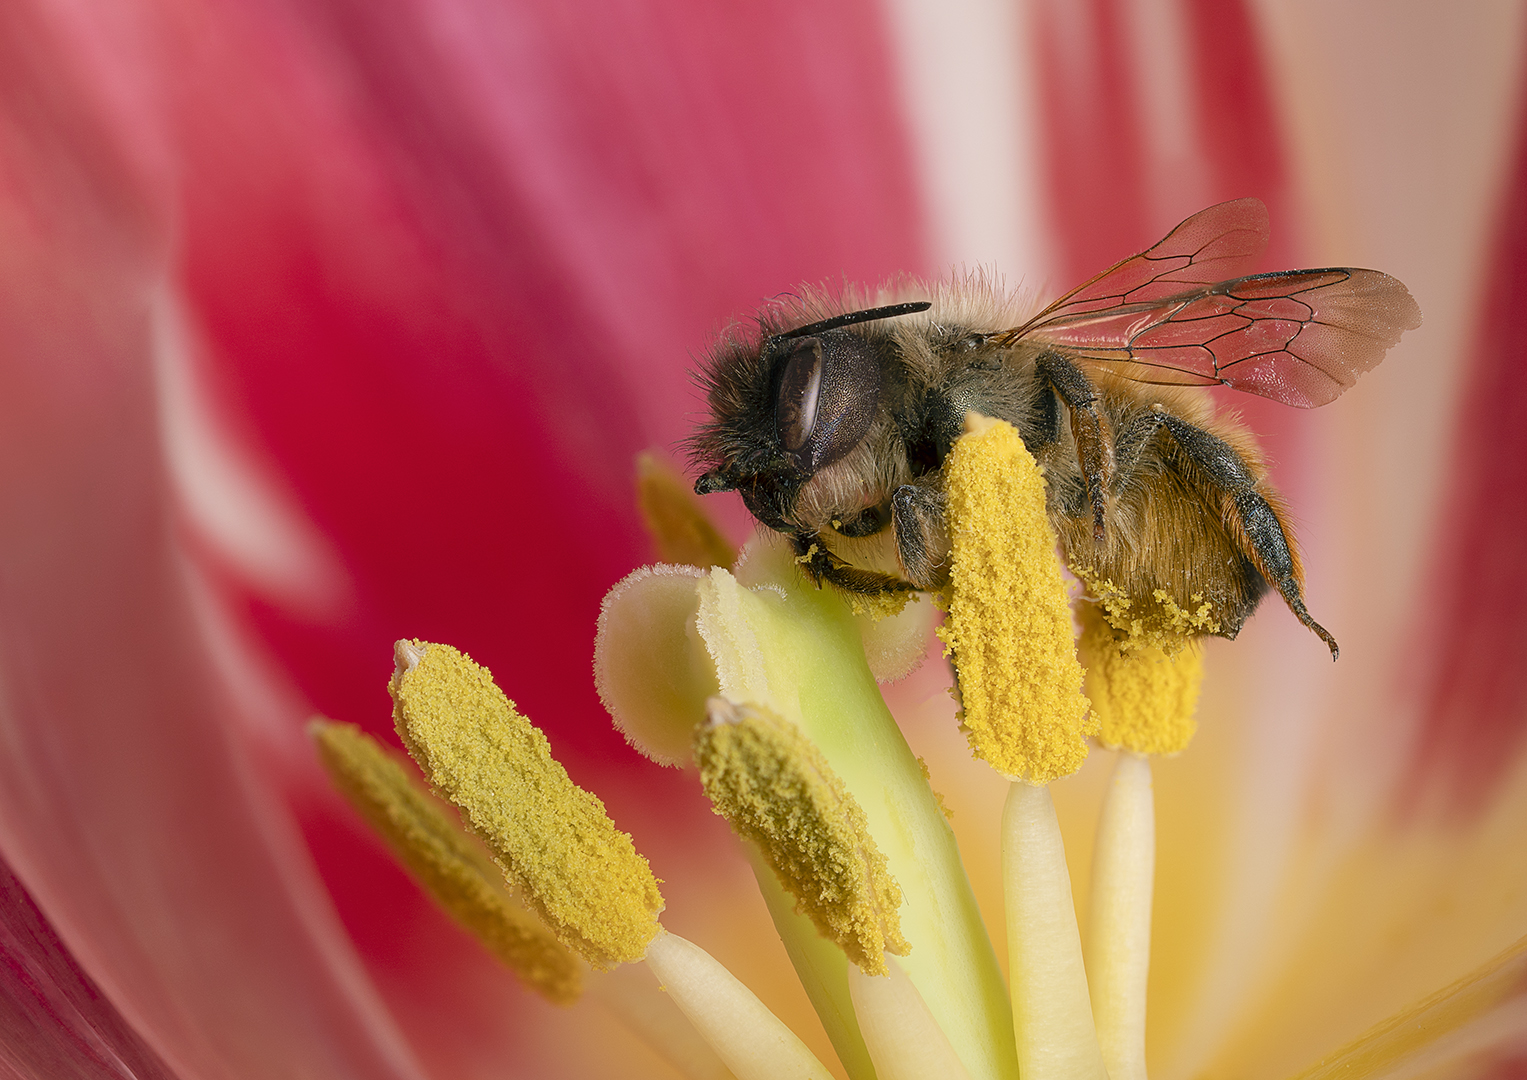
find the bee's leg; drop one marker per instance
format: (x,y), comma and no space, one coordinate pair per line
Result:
(1264,531)
(823,565)
(1072,386)
(922,538)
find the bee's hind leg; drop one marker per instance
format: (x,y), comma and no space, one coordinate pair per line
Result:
(1072,387)
(1265,534)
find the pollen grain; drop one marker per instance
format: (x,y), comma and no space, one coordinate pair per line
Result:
(1145,697)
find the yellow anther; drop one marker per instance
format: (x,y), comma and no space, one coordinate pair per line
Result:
(1009,625)
(680,530)
(449,865)
(1145,698)
(776,789)
(553,840)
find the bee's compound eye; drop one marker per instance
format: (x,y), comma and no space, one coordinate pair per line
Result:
(799,390)
(828,394)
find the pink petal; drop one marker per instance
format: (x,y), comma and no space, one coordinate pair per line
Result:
(128,804)
(442,266)
(54,1021)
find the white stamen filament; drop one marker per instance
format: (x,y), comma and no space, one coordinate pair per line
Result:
(904,1041)
(1052,1013)
(634,998)
(1118,932)
(1119,928)
(749,1038)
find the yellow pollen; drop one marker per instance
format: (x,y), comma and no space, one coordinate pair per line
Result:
(680,530)
(443,859)
(879,606)
(938,797)
(776,789)
(1145,698)
(1161,623)
(552,839)
(1009,624)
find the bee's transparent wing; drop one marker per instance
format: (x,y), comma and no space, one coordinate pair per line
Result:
(1300,337)
(1213,245)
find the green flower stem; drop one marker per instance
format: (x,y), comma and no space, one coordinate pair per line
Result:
(796,649)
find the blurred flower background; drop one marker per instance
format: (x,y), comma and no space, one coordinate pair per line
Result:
(328,323)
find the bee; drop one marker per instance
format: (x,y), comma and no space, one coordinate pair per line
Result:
(834,421)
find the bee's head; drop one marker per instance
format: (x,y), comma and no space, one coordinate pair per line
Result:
(788,407)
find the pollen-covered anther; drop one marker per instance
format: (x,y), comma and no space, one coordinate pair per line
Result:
(446,862)
(1009,625)
(776,789)
(552,839)
(1145,697)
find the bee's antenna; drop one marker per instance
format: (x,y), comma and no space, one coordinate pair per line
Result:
(868,315)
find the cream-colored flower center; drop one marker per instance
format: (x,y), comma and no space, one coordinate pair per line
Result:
(765,677)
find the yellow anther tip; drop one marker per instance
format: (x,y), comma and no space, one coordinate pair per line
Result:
(1009,624)
(553,839)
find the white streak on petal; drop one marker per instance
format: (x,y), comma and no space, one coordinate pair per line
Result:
(966,75)
(1177,175)
(268,703)
(232,501)
(1400,132)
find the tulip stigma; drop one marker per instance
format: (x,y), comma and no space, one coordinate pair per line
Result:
(779,641)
